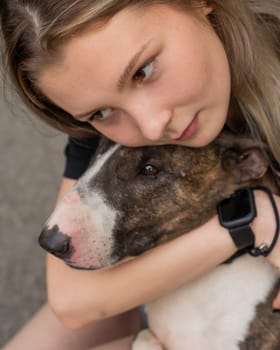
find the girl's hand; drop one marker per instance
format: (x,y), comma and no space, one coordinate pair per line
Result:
(264,228)
(276,302)
(264,225)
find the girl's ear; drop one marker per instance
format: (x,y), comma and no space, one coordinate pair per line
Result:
(206,7)
(207,10)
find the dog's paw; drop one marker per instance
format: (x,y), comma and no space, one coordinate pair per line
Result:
(145,340)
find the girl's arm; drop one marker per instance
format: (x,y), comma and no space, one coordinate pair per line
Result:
(65,186)
(79,297)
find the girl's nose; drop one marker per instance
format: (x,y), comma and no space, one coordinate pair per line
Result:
(153,125)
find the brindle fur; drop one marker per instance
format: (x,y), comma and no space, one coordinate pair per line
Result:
(183,194)
(264,331)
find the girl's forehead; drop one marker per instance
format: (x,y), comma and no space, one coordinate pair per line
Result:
(105,51)
(129,23)
(92,64)
(102,51)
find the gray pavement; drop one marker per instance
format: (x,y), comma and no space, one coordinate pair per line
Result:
(31,165)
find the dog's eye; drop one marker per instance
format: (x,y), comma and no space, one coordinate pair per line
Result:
(149,170)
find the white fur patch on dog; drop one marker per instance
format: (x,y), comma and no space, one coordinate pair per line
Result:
(213,312)
(89,221)
(97,166)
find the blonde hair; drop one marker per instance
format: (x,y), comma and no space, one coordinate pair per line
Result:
(35,31)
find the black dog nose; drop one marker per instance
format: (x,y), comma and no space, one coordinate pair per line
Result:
(56,242)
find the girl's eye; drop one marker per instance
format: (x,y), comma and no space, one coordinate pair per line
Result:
(101,114)
(144,72)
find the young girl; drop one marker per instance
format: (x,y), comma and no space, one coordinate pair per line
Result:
(143,73)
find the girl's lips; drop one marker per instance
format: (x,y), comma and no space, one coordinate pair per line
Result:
(190,130)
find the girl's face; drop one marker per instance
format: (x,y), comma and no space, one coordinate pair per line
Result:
(149,76)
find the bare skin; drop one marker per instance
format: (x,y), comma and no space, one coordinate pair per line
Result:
(45,332)
(120,344)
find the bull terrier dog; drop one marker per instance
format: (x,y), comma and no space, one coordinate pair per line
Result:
(133,199)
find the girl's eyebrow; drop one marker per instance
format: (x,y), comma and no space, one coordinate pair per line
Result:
(130,67)
(124,76)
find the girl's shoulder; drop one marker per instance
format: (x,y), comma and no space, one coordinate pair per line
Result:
(78,154)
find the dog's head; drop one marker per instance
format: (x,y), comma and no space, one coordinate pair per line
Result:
(133,199)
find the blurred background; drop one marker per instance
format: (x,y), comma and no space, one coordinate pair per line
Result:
(31,166)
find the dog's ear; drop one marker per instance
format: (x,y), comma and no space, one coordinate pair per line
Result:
(243,157)
(245,164)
